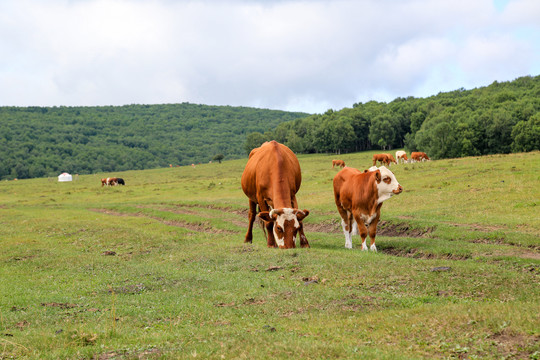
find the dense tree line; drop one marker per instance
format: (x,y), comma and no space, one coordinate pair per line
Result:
(500,118)
(45,141)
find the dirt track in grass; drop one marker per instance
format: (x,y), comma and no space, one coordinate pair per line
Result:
(390,229)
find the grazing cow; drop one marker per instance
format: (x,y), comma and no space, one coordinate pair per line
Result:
(419,156)
(271,180)
(359,197)
(391,159)
(340,163)
(401,157)
(382,158)
(120,181)
(110,181)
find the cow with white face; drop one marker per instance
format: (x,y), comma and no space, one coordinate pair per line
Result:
(401,157)
(287,222)
(270,180)
(359,197)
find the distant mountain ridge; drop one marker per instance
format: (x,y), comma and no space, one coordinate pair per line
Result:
(45,141)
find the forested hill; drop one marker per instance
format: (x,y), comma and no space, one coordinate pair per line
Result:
(500,118)
(45,141)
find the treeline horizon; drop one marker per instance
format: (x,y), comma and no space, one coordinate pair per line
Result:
(500,118)
(46,141)
(36,141)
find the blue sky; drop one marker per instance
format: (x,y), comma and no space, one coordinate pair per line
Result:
(280,54)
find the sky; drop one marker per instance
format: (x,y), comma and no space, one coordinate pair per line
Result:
(293,55)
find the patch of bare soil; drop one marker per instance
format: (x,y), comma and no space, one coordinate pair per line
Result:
(416,254)
(487,241)
(198,227)
(243,212)
(515,346)
(124,354)
(480,227)
(328,227)
(534,247)
(59,305)
(386,228)
(23,258)
(355,303)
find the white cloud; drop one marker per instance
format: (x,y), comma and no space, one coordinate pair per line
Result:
(292,55)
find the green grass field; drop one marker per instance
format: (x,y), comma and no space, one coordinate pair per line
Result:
(158,268)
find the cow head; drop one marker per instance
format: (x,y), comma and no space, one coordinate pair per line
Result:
(287,222)
(387,184)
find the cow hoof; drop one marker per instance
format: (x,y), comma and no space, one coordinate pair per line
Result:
(373,248)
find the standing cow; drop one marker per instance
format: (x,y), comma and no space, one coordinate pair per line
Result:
(384,159)
(419,156)
(359,197)
(390,159)
(401,157)
(109,181)
(271,180)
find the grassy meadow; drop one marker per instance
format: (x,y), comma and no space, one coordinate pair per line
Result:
(158,269)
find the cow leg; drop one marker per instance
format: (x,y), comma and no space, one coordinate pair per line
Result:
(362,229)
(373,233)
(264,206)
(271,241)
(347,233)
(346,223)
(303,240)
(251,219)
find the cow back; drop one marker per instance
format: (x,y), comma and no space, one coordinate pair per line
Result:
(273,172)
(352,186)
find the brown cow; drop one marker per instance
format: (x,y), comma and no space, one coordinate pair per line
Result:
(419,156)
(384,159)
(340,163)
(271,180)
(391,158)
(359,197)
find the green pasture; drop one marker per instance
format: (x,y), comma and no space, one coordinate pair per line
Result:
(157,269)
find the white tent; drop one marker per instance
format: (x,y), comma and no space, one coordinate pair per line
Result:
(65,177)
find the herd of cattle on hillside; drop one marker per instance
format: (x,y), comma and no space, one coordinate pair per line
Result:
(272,177)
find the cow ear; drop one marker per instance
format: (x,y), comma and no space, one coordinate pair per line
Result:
(301,214)
(378,176)
(265,215)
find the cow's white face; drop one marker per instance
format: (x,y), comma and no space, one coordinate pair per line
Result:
(388,184)
(287,222)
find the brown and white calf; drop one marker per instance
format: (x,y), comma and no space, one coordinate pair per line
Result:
(359,197)
(401,157)
(271,180)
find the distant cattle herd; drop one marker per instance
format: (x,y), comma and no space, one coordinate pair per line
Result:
(272,177)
